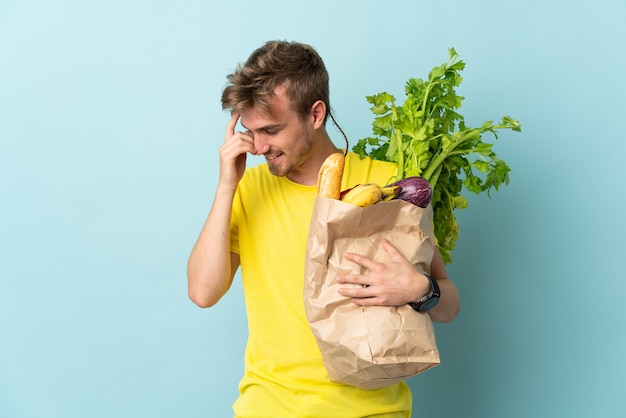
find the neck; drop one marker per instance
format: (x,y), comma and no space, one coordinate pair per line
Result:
(308,171)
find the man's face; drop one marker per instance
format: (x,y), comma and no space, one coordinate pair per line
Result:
(282,137)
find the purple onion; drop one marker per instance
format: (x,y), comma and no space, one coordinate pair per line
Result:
(415,190)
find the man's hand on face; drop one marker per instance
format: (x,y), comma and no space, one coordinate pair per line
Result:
(233,153)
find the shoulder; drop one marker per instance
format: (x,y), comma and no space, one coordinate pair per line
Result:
(368,163)
(359,170)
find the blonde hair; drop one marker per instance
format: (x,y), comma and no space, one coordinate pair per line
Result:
(295,66)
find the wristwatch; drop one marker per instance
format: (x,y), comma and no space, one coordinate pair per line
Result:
(430,300)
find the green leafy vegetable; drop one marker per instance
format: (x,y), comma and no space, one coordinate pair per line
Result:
(427,137)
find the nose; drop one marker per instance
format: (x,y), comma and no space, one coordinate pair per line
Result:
(260,145)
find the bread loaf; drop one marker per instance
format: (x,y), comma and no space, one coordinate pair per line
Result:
(329,178)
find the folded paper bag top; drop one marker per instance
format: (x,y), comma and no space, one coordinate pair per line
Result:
(368,347)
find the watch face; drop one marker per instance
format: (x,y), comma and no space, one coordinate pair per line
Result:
(429,304)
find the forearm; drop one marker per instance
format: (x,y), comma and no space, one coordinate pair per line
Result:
(449,303)
(209,269)
(448,306)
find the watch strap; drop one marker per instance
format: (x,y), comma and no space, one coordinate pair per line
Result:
(430,300)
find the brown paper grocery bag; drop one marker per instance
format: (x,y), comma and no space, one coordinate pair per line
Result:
(375,346)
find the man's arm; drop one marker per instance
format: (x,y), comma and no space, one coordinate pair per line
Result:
(211,265)
(397,282)
(449,303)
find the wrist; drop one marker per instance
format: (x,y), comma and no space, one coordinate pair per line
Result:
(431,298)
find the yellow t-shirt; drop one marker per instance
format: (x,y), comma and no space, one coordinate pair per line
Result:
(284,374)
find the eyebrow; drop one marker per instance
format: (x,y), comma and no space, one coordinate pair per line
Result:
(276,126)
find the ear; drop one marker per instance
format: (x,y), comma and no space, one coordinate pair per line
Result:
(318,114)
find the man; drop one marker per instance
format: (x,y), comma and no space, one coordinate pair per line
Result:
(259,221)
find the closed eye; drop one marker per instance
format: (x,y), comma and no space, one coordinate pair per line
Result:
(269,130)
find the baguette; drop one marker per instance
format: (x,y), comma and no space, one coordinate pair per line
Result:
(330,174)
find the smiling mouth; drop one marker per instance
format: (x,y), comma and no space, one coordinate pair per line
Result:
(270,157)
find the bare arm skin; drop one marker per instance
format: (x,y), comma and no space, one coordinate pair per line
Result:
(397,282)
(211,265)
(449,304)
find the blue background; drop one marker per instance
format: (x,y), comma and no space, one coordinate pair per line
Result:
(110,122)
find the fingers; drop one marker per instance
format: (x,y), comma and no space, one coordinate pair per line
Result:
(241,142)
(238,143)
(232,135)
(392,251)
(230,127)
(359,286)
(233,153)
(235,142)
(356,279)
(363,296)
(362,261)
(389,283)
